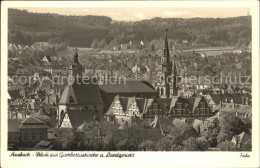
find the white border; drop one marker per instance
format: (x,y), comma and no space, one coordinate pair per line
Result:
(141,159)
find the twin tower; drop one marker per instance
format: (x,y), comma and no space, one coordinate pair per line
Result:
(166,81)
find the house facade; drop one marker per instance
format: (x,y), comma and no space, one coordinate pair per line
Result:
(32,131)
(123,108)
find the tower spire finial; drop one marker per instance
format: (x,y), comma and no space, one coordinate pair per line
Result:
(166,47)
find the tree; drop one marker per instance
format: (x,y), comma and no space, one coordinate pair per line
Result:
(167,143)
(227,146)
(126,145)
(230,125)
(74,142)
(102,44)
(147,145)
(94,43)
(212,132)
(194,144)
(247,146)
(44,118)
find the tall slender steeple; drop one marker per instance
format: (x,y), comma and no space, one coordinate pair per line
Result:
(167,73)
(166,53)
(76,56)
(165,70)
(75,69)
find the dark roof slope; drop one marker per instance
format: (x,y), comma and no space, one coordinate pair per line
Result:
(127,87)
(78,117)
(87,93)
(33,123)
(15,94)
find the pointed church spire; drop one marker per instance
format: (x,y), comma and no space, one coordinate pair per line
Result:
(166,47)
(76,54)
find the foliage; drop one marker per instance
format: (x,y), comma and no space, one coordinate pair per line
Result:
(230,125)
(227,146)
(247,146)
(212,132)
(196,31)
(50,122)
(126,145)
(147,145)
(94,43)
(194,144)
(74,142)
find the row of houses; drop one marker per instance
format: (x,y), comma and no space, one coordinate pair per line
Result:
(123,108)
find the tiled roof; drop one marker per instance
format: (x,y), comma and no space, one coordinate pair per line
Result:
(241,138)
(78,117)
(196,103)
(33,123)
(141,104)
(32,120)
(87,93)
(237,98)
(32,126)
(14,94)
(164,103)
(173,101)
(84,94)
(127,87)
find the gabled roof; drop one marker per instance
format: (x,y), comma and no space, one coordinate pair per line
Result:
(78,117)
(48,58)
(15,94)
(241,138)
(82,94)
(141,104)
(33,123)
(196,103)
(173,101)
(32,120)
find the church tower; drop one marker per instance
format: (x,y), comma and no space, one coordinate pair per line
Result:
(166,82)
(75,69)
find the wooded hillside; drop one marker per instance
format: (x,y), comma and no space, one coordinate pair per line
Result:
(26,28)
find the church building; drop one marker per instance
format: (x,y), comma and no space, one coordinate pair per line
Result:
(166,84)
(79,98)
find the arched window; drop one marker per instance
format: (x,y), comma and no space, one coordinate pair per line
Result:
(162,91)
(71,100)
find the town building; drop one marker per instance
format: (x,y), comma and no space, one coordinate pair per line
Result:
(240,139)
(123,108)
(75,68)
(32,131)
(82,96)
(166,84)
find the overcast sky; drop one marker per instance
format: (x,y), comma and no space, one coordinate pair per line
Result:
(134,14)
